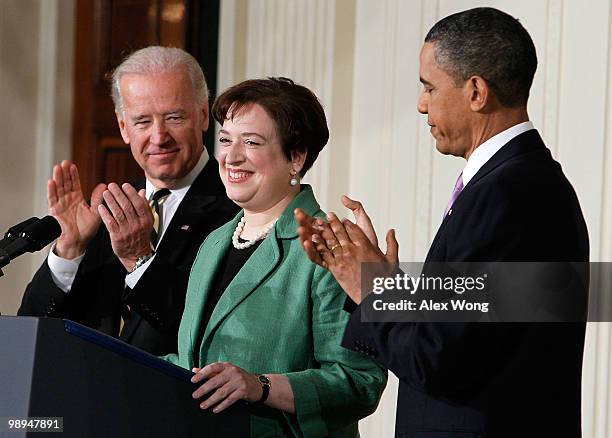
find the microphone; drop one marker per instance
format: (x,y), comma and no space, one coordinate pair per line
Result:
(33,237)
(15,230)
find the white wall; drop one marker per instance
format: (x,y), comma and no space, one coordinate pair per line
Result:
(361,58)
(36,51)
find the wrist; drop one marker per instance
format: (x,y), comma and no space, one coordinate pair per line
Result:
(266,385)
(141,261)
(68,252)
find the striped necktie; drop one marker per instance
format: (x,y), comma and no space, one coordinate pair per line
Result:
(156,200)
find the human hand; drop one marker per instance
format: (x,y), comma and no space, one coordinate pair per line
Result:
(78,220)
(129,222)
(361,218)
(341,247)
(309,226)
(228,384)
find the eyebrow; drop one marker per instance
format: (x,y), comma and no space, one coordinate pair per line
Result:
(424,82)
(174,111)
(245,134)
(141,117)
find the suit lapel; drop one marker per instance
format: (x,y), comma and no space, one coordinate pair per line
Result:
(191,212)
(214,257)
(529,141)
(261,263)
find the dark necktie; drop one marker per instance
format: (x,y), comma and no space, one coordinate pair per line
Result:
(154,203)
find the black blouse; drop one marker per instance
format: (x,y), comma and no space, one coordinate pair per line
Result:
(228,268)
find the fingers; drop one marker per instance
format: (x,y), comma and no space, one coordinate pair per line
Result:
(306,224)
(52,197)
(226,391)
(351,204)
(58,179)
(325,253)
(309,248)
(392,255)
(302,218)
(207,372)
(75,181)
(137,200)
(339,232)
(109,221)
(66,178)
(212,376)
(96,196)
(361,218)
(119,204)
(230,400)
(356,234)
(229,383)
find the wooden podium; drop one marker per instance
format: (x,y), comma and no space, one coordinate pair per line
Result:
(98,386)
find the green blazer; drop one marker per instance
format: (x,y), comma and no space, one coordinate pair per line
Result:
(282,314)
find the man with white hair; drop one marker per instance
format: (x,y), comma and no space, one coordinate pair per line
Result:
(128,278)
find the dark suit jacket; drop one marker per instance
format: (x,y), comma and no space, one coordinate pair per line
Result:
(153,309)
(492,380)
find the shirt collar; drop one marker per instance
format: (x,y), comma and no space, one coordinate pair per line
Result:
(485,151)
(182,185)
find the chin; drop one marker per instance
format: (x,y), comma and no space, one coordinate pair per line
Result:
(239,197)
(443,148)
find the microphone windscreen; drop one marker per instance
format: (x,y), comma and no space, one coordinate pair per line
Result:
(42,233)
(15,230)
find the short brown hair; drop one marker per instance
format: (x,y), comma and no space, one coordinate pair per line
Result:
(298,114)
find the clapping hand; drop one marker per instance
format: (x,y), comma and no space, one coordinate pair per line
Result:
(129,221)
(79,220)
(341,247)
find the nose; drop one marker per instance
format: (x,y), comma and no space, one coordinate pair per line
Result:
(234,153)
(160,134)
(422,103)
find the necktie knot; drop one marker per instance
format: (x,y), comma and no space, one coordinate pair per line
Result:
(158,195)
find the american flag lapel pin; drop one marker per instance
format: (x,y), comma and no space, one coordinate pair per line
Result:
(185,227)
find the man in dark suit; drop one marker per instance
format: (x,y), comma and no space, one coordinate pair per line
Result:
(128,277)
(511,203)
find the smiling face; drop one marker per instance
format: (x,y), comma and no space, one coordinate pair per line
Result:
(253,167)
(447,106)
(162,124)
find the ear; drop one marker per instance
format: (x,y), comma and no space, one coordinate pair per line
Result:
(297,160)
(122,128)
(480,93)
(204,115)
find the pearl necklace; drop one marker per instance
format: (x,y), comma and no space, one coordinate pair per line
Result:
(243,245)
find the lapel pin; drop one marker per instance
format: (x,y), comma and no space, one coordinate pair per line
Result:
(185,227)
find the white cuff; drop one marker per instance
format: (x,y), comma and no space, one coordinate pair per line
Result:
(132,278)
(62,270)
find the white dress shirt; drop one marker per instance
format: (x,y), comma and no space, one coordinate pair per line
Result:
(64,271)
(485,151)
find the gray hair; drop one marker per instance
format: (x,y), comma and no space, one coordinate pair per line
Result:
(489,43)
(157,59)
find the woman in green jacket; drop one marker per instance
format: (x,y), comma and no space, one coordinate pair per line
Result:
(261,322)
